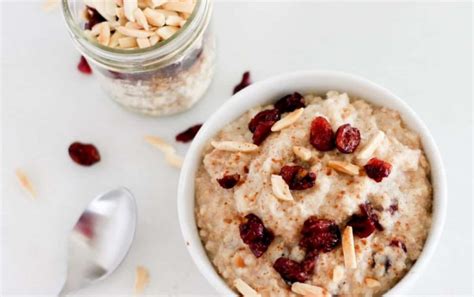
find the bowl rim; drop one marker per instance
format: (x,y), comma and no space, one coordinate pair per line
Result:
(281,84)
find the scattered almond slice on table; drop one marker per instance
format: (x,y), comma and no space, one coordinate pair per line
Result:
(142,278)
(174,160)
(309,290)
(49,5)
(288,120)
(25,182)
(171,156)
(280,188)
(348,248)
(234,146)
(245,289)
(344,167)
(303,153)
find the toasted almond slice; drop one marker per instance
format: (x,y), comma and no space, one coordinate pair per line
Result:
(122,19)
(142,4)
(308,290)
(303,153)
(142,278)
(114,39)
(166,31)
(160,144)
(371,283)
(245,289)
(348,248)
(143,42)
(129,7)
(49,5)
(234,146)
(166,13)
(127,42)
(287,121)
(154,17)
(156,3)
(154,39)
(110,7)
(100,6)
(133,25)
(25,182)
(104,35)
(141,19)
(97,28)
(134,32)
(338,274)
(173,20)
(182,23)
(174,160)
(119,2)
(344,167)
(280,188)
(179,6)
(371,146)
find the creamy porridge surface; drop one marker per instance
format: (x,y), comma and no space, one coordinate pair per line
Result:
(402,201)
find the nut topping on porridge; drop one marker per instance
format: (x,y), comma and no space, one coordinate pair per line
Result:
(287,121)
(245,289)
(371,146)
(348,248)
(228,181)
(309,290)
(234,146)
(377,169)
(344,167)
(303,153)
(321,134)
(280,188)
(297,177)
(254,233)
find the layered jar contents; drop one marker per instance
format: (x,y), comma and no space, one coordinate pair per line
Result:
(314,196)
(151,56)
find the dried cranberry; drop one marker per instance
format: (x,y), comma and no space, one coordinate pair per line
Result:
(84,154)
(83,66)
(229,181)
(309,261)
(366,222)
(399,244)
(393,208)
(255,235)
(347,139)
(261,133)
(290,270)
(320,235)
(268,115)
(93,18)
(245,82)
(290,102)
(321,135)
(188,134)
(377,169)
(297,177)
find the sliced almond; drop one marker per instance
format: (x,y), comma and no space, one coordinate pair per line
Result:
(122,19)
(234,146)
(154,39)
(127,42)
(348,248)
(344,167)
(100,6)
(110,7)
(134,32)
(141,19)
(160,144)
(287,121)
(154,17)
(142,278)
(166,13)
(129,7)
(174,160)
(308,290)
(166,31)
(280,188)
(174,20)
(156,3)
(114,39)
(104,35)
(25,182)
(370,147)
(338,274)
(133,25)
(371,283)
(186,7)
(49,5)
(245,289)
(303,153)
(143,42)
(97,28)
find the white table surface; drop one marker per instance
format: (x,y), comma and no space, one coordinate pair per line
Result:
(422,52)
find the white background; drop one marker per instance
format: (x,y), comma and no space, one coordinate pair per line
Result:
(420,51)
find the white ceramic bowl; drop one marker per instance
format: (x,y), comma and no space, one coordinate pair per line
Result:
(270,90)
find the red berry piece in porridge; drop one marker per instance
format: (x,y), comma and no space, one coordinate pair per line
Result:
(320,235)
(290,270)
(347,139)
(229,181)
(377,169)
(290,102)
(297,177)
(321,135)
(255,235)
(84,154)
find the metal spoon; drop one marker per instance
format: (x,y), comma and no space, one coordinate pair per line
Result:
(100,239)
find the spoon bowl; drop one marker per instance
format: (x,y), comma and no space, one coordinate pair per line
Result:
(100,239)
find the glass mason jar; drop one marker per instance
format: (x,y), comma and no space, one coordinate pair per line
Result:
(163,79)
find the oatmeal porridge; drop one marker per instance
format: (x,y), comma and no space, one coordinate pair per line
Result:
(314,196)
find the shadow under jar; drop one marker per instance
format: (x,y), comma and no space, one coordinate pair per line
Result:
(163,79)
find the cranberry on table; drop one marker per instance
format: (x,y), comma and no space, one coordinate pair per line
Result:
(188,134)
(255,235)
(84,154)
(377,169)
(229,181)
(320,235)
(347,139)
(290,102)
(297,177)
(321,135)
(245,82)
(83,66)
